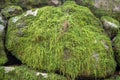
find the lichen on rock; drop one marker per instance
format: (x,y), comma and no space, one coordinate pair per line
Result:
(69,39)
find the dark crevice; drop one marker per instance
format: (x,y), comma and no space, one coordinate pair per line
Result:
(12,60)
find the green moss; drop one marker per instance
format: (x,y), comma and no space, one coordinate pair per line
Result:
(114,77)
(102,9)
(67,38)
(111,26)
(116,45)
(110,19)
(24,73)
(3,58)
(11,11)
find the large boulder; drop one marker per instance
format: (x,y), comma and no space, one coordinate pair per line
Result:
(24,73)
(69,39)
(3,58)
(103,7)
(110,25)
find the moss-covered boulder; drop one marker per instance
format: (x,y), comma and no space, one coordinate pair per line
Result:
(11,11)
(69,39)
(24,73)
(111,26)
(3,58)
(116,45)
(103,7)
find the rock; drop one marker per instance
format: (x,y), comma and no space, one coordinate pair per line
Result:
(11,11)
(116,45)
(111,26)
(24,73)
(69,39)
(103,7)
(3,58)
(28,4)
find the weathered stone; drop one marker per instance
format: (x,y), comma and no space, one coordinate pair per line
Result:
(111,26)
(28,4)
(3,58)
(69,39)
(11,11)
(24,73)
(103,7)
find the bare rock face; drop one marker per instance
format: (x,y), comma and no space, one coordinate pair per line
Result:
(3,58)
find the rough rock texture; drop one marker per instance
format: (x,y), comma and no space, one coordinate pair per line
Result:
(3,58)
(69,39)
(111,26)
(11,11)
(103,7)
(24,73)
(28,4)
(116,45)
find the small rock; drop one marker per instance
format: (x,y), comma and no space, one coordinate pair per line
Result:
(11,11)
(111,26)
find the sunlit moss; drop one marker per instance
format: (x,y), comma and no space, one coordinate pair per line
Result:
(67,38)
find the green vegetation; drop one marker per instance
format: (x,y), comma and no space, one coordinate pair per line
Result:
(111,26)
(11,11)
(24,73)
(117,48)
(69,39)
(3,58)
(110,19)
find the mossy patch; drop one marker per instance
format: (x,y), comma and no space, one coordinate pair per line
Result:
(114,77)
(3,58)
(29,4)
(11,11)
(24,73)
(116,44)
(69,39)
(102,7)
(111,26)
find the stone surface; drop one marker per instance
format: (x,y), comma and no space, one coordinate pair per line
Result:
(111,26)
(28,4)
(69,39)
(11,11)
(24,73)
(3,58)
(103,7)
